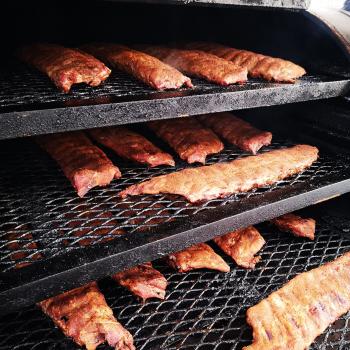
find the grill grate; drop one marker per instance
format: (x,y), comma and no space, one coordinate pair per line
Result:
(30,104)
(44,224)
(203,310)
(58,221)
(22,86)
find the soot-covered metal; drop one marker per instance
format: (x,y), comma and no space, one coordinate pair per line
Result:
(205,310)
(66,241)
(30,104)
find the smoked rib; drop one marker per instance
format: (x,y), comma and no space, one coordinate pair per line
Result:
(143,280)
(84,164)
(221,179)
(242,245)
(84,315)
(200,64)
(297,225)
(191,141)
(258,66)
(293,316)
(237,131)
(131,145)
(65,66)
(199,256)
(142,66)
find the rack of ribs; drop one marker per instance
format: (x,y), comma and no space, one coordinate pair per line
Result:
(237,131)
(65,66)
(222,179)
(200,64)
(146,68)
(293,316)
(258,66)
(242,245)
(84,164)
(131,145)
(143,281)
(199,256)
(84,315)
(191,141)
(297,225)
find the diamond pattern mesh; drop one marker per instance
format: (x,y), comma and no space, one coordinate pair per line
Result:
(203,310)
(41,216)
(24,87)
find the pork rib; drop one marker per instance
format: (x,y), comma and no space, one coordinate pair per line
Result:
(131,145)
(199,256)
(143,280)
(84,315)
(242,245)
(237,131)
(191,141)
(259,66)
(200,64)
(293,316)
(146,68)
(84,164)
(221,179)
(65,66)
(297,225)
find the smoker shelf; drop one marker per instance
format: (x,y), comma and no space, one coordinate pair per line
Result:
(288,4)
(205,310)
(30,104)
(69,241)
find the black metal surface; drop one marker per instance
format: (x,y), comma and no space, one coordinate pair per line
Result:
(30,104)
(205,310)
(37,200)
(288,4)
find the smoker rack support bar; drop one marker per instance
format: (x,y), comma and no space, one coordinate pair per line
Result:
(104,260)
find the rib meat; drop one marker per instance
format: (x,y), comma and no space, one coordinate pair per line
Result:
(200,64)
(143,280)
(199,256)
(221,179)
(242,245)
(131,145)
(295,224)
(146,68)
(84,164)
(293,316)
(237,131)
(65,66)
(84,315)
(191,141)
(259,66)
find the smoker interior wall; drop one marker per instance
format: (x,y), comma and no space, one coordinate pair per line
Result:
(290,34)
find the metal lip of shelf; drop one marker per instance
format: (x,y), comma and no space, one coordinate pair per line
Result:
(286,4)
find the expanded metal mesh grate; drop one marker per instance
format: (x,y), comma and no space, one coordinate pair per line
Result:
(24,87)
(42,217)
(203,310)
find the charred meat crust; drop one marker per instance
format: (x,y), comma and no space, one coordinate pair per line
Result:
(65,66)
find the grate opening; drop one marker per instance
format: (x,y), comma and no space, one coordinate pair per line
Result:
(202,309)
